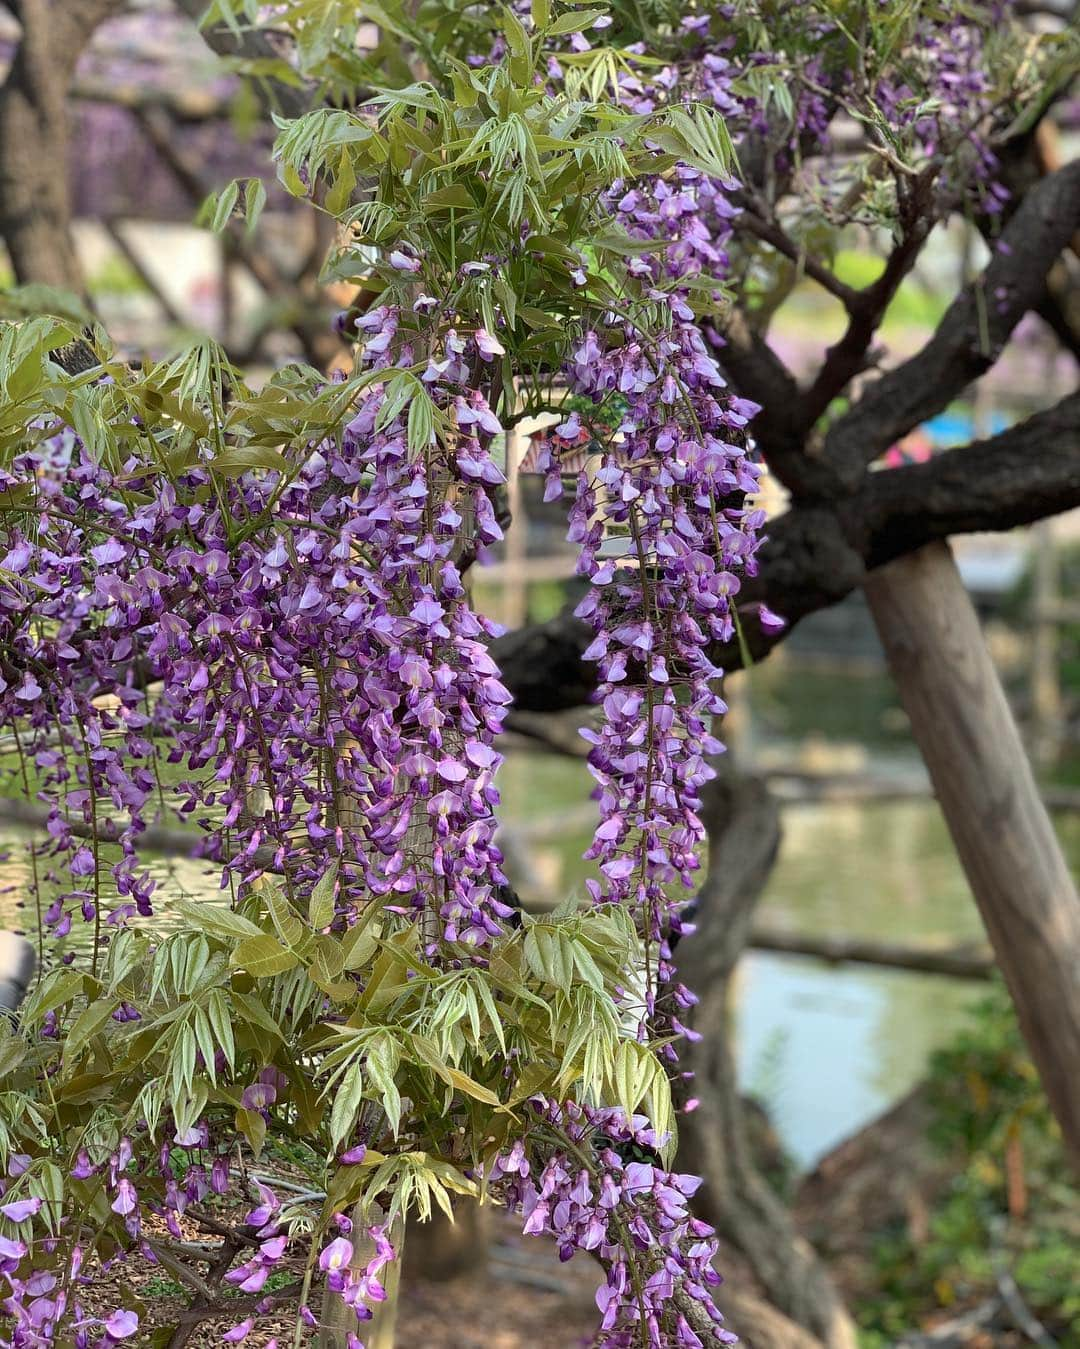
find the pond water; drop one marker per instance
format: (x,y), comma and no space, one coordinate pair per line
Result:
(825,1047)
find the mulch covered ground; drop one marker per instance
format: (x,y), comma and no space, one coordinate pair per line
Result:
(523,1298)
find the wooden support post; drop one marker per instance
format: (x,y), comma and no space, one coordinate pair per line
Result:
(963,725)
(337,1319)
(515,595)
(1046,715)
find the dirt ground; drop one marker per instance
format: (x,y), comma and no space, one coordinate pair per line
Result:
(523,1298)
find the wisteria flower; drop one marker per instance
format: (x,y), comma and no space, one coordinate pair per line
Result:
(119,1325)
(20,1209)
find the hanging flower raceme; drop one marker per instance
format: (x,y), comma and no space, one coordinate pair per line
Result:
(307,631)
(666,527)
(332,654)
(633,1216)
(665,531)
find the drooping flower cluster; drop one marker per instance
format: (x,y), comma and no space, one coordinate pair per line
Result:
(308,631)
(665,526)
(300,645)
(672,487)
(666,519)
(632,1215)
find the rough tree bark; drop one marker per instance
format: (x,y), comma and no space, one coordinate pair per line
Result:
(34,208)
(744,832)
(963,725)
(35,211)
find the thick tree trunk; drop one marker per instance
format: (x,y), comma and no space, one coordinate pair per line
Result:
(744,832)
(35,216)
(963,725)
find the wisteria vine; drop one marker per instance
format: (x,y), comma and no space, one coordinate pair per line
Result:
(253,610)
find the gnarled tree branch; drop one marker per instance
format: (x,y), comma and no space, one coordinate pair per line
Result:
(971,335)
(816,554)
(753,221)
(291,100)
(1026,473)
(844,360)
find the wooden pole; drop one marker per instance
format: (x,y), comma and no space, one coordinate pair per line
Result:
(514,598)
(1045,656)
(963,725)
(337,1319)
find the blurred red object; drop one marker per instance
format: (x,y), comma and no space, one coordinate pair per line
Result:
(572,454)
(915,448)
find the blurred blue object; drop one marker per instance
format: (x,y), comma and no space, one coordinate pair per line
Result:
(956,426)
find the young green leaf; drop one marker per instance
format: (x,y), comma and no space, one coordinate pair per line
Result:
(263,957)
(321,903)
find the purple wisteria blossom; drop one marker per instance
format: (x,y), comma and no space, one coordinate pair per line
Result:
(324,691)
(595,1207)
